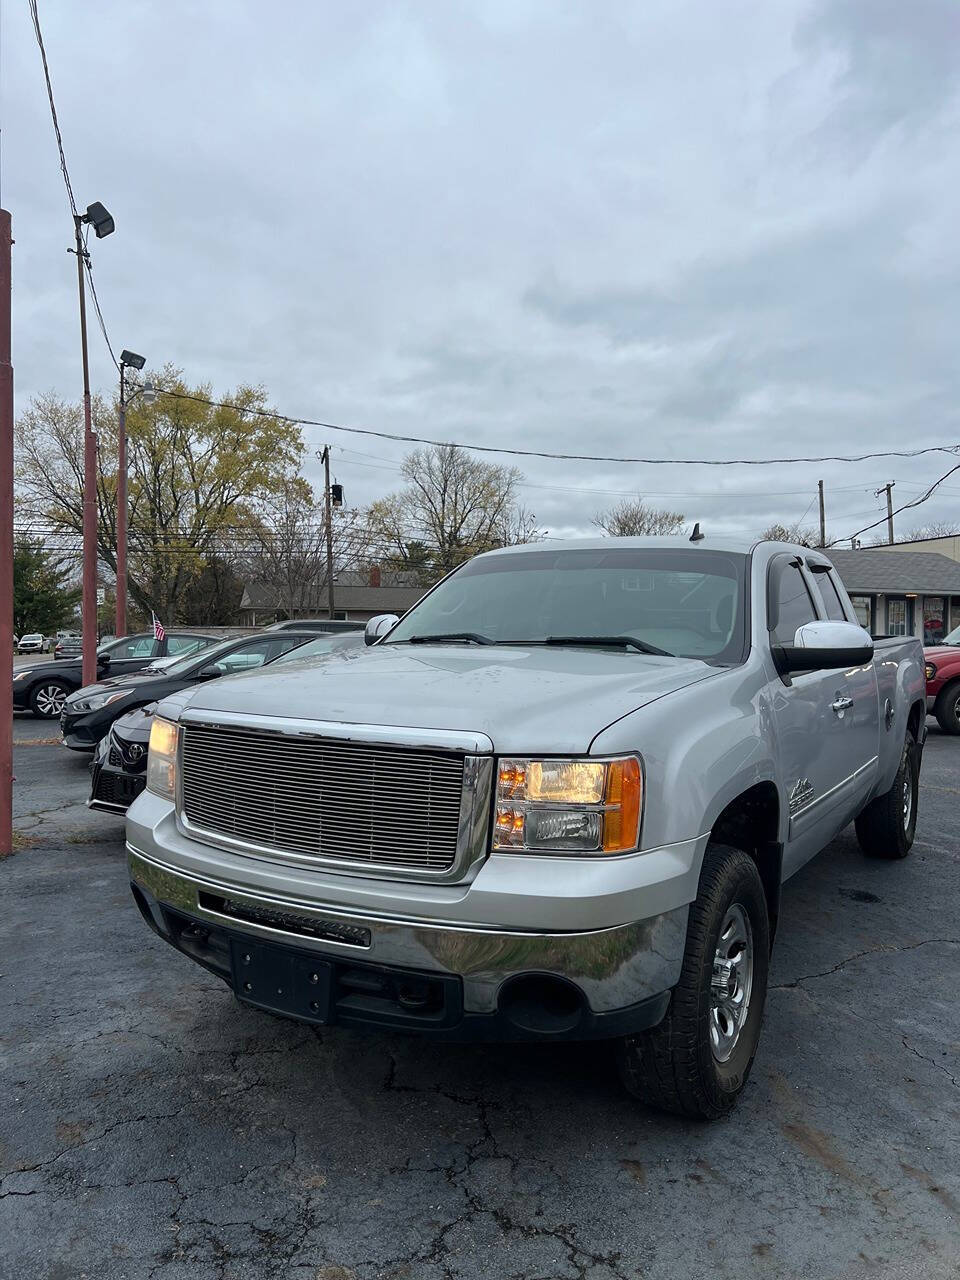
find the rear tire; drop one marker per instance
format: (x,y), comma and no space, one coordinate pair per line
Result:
(47,699)
(887,826)
(697,1061)
(947,708)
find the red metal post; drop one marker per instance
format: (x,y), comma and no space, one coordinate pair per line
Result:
(6,544)
(89,603)
(121,624)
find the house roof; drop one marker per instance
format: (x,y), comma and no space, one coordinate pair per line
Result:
(389,599)
(874,571)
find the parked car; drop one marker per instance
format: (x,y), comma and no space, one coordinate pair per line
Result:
(119,768)
(43,689)
(32,642)
(88,713)
(942,669)
(557,800)
(68,647)
(315,624)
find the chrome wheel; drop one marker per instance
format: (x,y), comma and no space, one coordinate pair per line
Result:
(731,982)
(49,700)
(907,797)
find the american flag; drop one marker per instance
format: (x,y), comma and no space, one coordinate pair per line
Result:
(158,631)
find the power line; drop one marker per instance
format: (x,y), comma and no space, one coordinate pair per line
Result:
(915,502)
(562,457)
(35,16)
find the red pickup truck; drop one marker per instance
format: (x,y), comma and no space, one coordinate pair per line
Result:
(942,669)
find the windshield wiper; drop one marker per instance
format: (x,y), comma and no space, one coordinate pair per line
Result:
(621,642)
(468,637)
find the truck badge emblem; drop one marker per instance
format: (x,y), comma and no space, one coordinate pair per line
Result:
(801,794)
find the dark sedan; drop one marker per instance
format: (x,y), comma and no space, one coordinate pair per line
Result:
(119,770)
(43,689)
(89,713)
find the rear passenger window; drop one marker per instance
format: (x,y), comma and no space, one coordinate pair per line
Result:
(831,598)
(794,605)
(182,645)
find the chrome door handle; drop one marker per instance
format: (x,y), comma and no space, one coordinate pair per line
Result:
(841,705)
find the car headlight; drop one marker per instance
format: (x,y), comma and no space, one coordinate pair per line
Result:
(162,758)
(95,702)
(568,806)
(21,675)
(929,670)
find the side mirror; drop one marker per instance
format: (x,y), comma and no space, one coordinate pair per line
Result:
(210,672)
(103,659)
(824,646)
(379,626)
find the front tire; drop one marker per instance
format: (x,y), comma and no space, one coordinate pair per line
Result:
(697,1061)
(888,824)
(47,699)
(947,708)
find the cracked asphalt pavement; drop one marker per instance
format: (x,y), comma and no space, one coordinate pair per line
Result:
(150,1127)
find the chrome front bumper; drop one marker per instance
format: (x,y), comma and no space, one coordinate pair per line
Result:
(615,968)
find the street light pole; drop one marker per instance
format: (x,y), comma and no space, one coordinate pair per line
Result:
(6,543)
(97,217)
(121,624)
(128,360)
(89,601)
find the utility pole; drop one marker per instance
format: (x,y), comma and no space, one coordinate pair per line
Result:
(329,519)
(89,600)
(97,217)
(6,543)
(823,518)
(120,626)
(889,492)
(128,360)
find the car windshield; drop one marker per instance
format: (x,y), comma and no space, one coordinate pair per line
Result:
(322,645)
(688,603)
(953,637)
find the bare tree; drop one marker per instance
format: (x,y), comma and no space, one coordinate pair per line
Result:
(936,529)
(452,507)
(802,535)
(289,546)
(634,518)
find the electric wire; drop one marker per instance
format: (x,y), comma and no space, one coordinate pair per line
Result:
(88,269)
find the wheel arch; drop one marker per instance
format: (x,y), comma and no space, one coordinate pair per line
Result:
(751,821)
(916,717)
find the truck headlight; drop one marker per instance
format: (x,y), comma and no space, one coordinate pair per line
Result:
(162,758)
(568,806)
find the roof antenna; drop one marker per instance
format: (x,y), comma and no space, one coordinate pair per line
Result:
(697,536)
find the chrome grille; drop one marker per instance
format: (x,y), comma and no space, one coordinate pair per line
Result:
(320,797)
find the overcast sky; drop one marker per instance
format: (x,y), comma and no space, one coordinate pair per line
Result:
(624,228)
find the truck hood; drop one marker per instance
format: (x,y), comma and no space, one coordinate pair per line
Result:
(942,651)
(523,699)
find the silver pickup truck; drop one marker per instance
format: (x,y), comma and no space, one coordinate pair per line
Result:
(556,800)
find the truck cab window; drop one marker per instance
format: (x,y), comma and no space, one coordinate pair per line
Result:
(831,598)
(794,605)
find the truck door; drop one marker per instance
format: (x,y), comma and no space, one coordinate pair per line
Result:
(821,718)
(861,721)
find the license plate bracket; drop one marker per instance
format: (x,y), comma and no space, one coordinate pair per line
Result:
(282,980)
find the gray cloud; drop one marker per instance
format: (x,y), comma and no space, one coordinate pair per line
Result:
(628,228)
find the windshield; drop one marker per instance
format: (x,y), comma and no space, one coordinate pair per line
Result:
(953,637)
(684,602)
(322,645)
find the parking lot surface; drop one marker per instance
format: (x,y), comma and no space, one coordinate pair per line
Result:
(150,1127)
